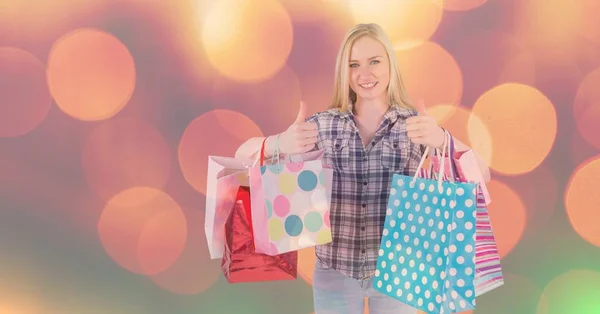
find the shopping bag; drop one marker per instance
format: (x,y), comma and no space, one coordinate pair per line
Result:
(224,176)
(427,252)
(290,203)
(240,262)
(465,167)
(488,268)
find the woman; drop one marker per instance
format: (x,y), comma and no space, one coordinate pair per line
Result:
(369,132)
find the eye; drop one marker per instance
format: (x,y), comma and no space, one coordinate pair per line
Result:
(353,65)
(375,62)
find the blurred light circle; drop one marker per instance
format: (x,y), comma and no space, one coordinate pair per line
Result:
(408,23)
(91,74)
(508,216)
(247,40)
(143,230)
(273,103)
(559,21)
(456,119)
(217,133)
(122,153)
(194,272)
(575,291)
(462,5)
(306,264)
(491,57)
(586,109)
(431,74)
(25,96)
(522,123)
(582,200)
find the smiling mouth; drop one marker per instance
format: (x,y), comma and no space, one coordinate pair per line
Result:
(368,85)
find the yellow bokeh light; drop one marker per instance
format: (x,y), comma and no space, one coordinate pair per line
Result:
(194,272)
(582,200)
(462,5)
(25,96)
(507,215)
(133,234)
(430,74)
(121,153)
(247,40)
(558,22)
(522,123)
(218,133)
(91,74)
(586,109)
(455,120)
(408,23)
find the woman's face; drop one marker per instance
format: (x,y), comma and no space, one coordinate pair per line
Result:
(369,69)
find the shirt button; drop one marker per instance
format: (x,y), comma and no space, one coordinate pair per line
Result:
(365,159)
(362,228)
(363,251)
(365,183)
(364,205)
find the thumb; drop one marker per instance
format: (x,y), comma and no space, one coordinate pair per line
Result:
(421,107)
(301,113)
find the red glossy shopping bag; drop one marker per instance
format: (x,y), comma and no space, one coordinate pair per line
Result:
(240,261)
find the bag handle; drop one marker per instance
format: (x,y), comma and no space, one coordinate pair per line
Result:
(441,171)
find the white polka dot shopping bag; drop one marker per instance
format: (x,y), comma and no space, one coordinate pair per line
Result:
(290,203)
(427,253)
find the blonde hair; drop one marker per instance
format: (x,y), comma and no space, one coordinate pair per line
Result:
(343,94)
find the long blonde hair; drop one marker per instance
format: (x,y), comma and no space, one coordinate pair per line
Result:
(343,94)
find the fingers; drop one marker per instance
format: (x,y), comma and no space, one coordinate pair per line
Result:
(306,126)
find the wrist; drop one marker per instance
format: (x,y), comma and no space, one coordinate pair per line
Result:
(270,145)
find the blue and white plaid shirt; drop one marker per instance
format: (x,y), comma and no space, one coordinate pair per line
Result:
(361,184)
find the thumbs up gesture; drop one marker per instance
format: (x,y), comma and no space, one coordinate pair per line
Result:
(300,137)
(423,129)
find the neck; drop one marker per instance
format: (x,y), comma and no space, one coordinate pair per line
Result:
(375,108)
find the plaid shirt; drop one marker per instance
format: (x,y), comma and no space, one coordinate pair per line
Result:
(361,184)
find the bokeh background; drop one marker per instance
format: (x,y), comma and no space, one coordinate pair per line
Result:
(109,109)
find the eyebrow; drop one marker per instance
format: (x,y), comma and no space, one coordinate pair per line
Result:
(375,57)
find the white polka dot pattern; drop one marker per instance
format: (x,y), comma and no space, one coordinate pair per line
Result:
(429,266)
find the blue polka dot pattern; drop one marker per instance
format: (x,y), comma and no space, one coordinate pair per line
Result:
(307,180)
(427,253)
(293,225)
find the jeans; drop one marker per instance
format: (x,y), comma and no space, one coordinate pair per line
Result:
(336,293)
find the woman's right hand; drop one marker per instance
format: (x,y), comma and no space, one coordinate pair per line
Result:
(300,137)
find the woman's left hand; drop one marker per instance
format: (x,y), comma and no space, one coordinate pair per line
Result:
(423,129)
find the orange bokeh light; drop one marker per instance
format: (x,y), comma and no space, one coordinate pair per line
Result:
(121,153)
(456,119)
(586,109)
(462,5)
(430,74)
(522,123)
(408,23)
(143,230)
(194,272)
(91,74)
(306,264)
(582,200)
(25,96)
(247,40)
(508,216)
(274,102)
(218,133)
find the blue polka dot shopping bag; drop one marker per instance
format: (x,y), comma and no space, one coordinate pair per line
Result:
(427,253)
(290,203)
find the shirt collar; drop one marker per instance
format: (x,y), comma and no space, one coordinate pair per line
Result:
(394,113)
